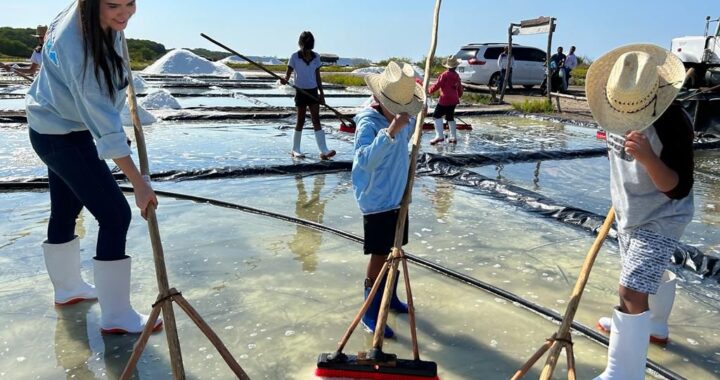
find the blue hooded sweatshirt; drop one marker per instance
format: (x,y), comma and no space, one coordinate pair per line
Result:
(380,165)
(66,96)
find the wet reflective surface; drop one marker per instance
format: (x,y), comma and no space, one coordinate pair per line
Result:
(278,293)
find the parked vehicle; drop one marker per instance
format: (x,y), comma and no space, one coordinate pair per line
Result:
(478,64)
(701,53)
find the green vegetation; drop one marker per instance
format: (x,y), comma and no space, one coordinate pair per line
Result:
(475,98)
(343,79)
(17,42)
(210,54)
(578,75)
(534,106)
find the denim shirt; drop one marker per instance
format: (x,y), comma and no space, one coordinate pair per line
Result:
(66,96)
(380,164)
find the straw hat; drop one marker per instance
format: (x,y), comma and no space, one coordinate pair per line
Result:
(396,89)
(40,31)
(630,87)
(451,62)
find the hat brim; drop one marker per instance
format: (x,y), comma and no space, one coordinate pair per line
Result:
(671,72)
(445,65)
(412,108)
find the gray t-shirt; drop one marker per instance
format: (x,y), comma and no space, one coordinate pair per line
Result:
(637,201)
(304,72)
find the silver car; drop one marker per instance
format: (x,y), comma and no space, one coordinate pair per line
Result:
(478,64)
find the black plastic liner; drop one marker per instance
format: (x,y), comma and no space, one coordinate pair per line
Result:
(705,111)
(688,257)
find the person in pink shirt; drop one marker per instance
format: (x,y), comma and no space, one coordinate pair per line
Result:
(450,92)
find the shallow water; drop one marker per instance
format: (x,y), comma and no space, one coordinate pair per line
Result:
(278,293)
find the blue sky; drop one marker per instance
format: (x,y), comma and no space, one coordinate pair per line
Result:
(379,29)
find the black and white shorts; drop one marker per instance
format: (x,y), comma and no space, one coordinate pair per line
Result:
(644,256)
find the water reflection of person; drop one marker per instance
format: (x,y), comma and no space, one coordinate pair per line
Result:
(72,345)
(441,198)
(118,349)
(306,241)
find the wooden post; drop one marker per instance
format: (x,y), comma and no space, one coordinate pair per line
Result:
(548,78)
(557,100)
(508,71)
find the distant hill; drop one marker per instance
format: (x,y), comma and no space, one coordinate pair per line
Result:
(17,42)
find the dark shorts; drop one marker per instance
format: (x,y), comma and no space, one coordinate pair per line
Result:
(447,111)
(302,100)
(380,232)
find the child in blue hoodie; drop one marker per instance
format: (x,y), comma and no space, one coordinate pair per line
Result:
(73,111)
(380,171)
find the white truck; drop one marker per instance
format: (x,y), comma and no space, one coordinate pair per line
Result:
(700,52)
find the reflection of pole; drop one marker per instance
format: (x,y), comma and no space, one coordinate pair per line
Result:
(536,175)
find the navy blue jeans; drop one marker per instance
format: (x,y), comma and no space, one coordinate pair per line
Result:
(79,178)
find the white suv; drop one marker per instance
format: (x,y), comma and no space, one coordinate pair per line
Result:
(478,64)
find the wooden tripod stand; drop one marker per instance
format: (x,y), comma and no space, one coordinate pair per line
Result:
(562,339)
(167,295)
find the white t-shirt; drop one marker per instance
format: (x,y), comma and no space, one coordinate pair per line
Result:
(304,73)
(36,57)
(570,61)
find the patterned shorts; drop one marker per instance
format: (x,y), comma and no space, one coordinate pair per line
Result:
(644,256)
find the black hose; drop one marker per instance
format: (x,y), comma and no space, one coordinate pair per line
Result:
(509,296)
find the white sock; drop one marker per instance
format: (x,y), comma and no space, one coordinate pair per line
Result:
(439,133)
(320,139)
(453,129)
(297,136)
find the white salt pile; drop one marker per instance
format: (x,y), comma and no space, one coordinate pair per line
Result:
(260,60)
(139,83)
(146,118)
(181,61)
(160,99)
(369,70)
(237,76)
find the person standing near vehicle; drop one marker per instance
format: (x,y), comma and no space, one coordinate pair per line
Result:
(305,63)
(76,98)
(630,91)
(506,68)
(450,92)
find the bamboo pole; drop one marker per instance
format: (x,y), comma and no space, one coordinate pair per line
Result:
(156,242)
(10,68)
(563,339)
(397,253)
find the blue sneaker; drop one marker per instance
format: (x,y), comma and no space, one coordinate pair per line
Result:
(369,320)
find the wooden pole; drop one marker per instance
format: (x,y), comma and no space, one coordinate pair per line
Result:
(397,253)
(508,72)
(158,255)
(548,78)
(10,68)
(562,338)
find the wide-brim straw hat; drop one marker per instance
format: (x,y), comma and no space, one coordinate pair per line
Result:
(630,87)
(396,89)
(40,31)
(451,62)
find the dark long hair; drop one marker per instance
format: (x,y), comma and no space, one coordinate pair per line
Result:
(100,47)
(306,41)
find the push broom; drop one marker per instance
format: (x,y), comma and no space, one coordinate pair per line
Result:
(343,118)
(376,364)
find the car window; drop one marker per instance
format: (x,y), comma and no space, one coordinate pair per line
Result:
(466,54)
(493,52)
(536,55)
(520,54)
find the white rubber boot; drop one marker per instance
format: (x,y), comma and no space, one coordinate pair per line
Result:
(439,132)
(63,265)
(660,304)
(112,279)
(296,152)
(325,153)
(453,131)
(627,351)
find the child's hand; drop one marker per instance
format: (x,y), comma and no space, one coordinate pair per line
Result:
(398,123)
(638,146)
